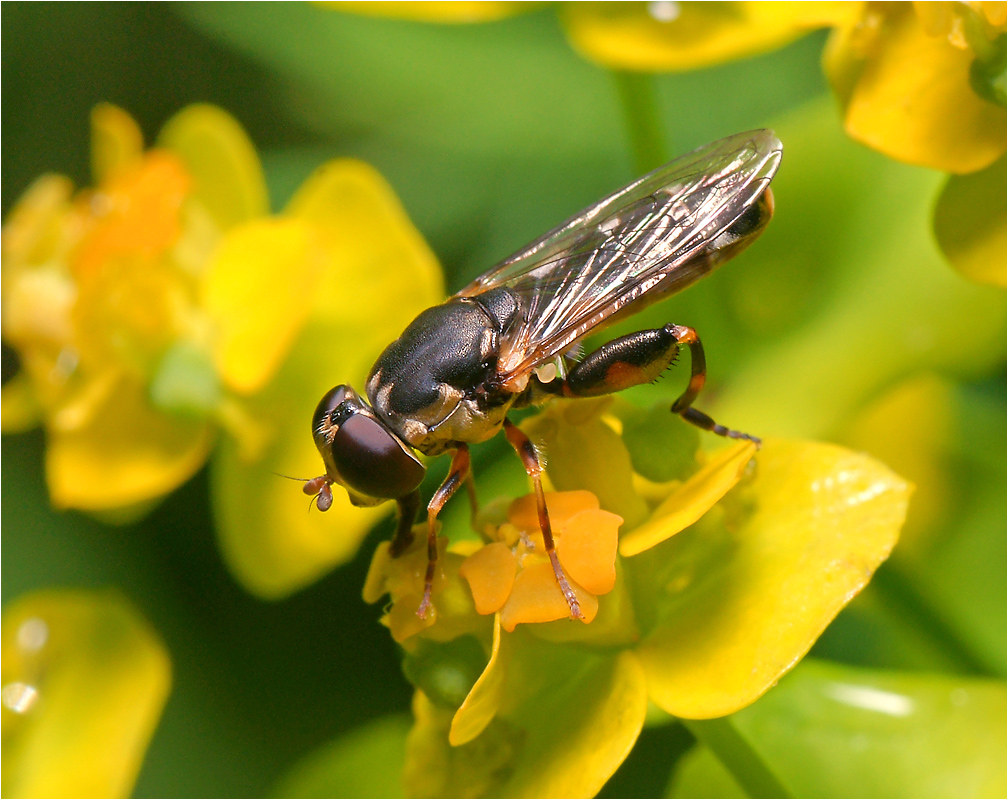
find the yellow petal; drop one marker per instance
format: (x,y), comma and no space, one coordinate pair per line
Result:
(582,452)
(483,700)
(691,500)
(116,141)
(379,272)
(20,410)
(568,719)
(536,597)
(32,230)
(229,182)
(994,11)
(258,291)
(405,573)
(490,572)
(680,36)
(579,728)
(453,604)
(587,549)
(84,681)
(969,224)
(402,619)
(910,96)
(451,12)
(142,219)
(744,601)
(523,513)
(615,625)
(269,540)
(375,587)
(126,453)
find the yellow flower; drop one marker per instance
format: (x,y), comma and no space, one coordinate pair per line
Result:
(84,682)
(903,76)
(926,86)
(722,584)
(653,36)
(674,36)
(165,314)
(402,578)
(446,12)
(513,575)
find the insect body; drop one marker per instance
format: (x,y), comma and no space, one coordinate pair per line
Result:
(506,340)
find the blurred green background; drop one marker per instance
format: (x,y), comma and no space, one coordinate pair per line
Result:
(490,134)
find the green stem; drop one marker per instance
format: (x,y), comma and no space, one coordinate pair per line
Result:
(636,91)
(738,756)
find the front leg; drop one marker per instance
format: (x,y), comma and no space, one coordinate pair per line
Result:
(639,358)
(408,507)
(456,475)
(527,453)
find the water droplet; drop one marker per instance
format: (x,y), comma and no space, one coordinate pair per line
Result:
(66,362)
(33,634)
(18,697)
(664,10)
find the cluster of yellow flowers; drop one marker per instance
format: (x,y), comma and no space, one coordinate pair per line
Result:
(922,82)
(165,318)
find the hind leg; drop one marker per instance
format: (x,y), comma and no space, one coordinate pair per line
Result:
(642,357)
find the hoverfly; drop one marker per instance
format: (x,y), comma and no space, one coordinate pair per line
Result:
(508,339)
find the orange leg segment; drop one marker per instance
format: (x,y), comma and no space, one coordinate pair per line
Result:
(527,453)
(698,376)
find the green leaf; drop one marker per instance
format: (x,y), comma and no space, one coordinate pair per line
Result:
(185,382)
(662,446)
(969,223)
(960,575)
(445,671)
(831,731)
(864,262)
(366,762)
(987,76)
(946,576)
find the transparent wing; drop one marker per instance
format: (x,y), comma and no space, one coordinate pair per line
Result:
(636,246)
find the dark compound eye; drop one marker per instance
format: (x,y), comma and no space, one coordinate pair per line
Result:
(338,401)
(361,452)
(372,460)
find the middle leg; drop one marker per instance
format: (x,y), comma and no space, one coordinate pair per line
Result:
(527,453)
